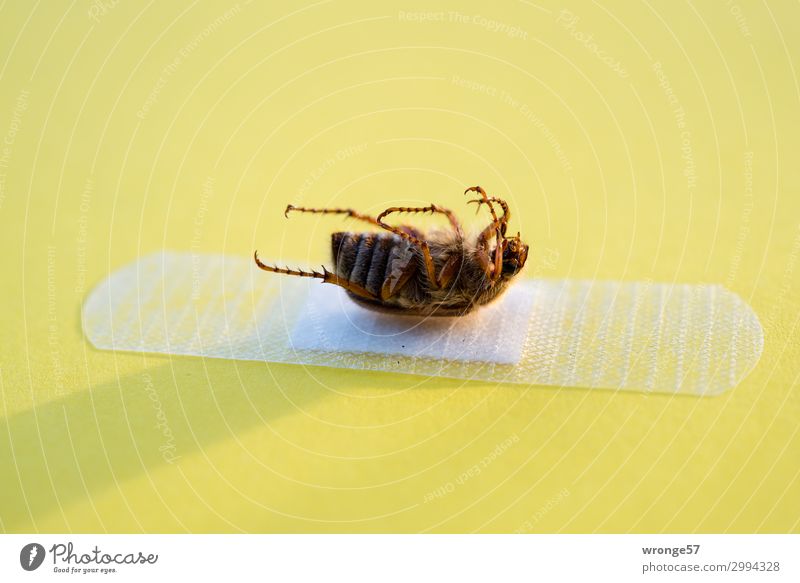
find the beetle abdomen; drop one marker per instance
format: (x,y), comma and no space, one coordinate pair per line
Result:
(363,258)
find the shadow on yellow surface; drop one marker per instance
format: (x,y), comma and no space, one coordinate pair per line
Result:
(78,446)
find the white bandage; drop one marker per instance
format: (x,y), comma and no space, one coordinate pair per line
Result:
(690,339)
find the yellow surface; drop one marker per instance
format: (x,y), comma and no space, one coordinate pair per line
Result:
(644,140)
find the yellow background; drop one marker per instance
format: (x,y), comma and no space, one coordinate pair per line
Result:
(635,141)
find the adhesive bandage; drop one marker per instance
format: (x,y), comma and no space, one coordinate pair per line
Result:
(670,338)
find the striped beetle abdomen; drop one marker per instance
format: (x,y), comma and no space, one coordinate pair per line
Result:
(368,259)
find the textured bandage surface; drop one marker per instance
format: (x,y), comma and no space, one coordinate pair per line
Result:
(672,338)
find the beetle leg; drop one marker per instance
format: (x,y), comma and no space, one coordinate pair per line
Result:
(326,277)
(415,240)
(498,259)
(449,271)
(331,211)
(427,209)
(485,262)
(401,267)
(485,198)
(502,221)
